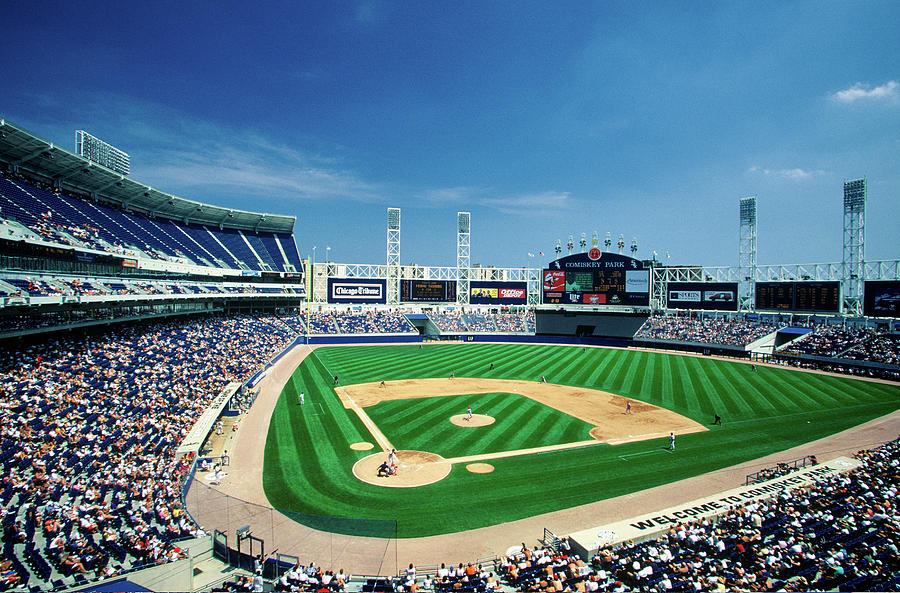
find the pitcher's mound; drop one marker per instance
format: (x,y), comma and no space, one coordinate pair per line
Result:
(477,420)
(414,468)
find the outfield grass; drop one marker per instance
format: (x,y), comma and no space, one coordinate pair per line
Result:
(308,459)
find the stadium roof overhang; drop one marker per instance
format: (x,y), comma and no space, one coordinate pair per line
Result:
(27,153)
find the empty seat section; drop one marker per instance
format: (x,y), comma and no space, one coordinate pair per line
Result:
(142,237)
(260,248)
(176,231)
(202,236)
(290,250)
(27,203)
(271,244)
(236,245)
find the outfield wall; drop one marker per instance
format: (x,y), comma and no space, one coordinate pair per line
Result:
(588,324)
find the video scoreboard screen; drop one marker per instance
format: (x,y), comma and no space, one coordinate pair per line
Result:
(814,297)
(427,291)
(881,298)
(713,296)
(597,279)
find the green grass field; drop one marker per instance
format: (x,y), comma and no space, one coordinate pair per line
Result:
(308,459)
(521,423)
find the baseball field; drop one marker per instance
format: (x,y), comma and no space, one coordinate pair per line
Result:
(531,447)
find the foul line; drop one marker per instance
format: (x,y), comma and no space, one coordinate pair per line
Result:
(373,428)
(518,452)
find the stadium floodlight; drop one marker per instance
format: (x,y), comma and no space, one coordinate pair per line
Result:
(854,193)
(747,251)
(748,210)
(98,151)
(853,263)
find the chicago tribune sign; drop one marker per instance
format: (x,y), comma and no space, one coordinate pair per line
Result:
(348,290)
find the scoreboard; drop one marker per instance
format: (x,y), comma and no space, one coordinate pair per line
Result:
(597,278)
(814,297)
(427,291)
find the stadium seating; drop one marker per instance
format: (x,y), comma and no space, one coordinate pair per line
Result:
(735,331)
(69,220)
(839,533)
(90,481)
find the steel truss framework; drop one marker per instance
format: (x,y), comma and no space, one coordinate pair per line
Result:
(463,252)
(660,276)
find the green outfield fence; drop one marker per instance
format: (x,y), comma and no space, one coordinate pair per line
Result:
(364,546)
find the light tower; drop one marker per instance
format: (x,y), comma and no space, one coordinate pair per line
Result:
(583,242)
(621,244)
(607,242)
(854,245)
(558,248)
(747,260)
(570,245)
(634,247)
(463,220)
(595,241)
(393,255)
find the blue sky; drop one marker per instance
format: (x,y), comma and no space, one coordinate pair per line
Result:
(543,119)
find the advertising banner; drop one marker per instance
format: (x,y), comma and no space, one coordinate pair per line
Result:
(498,293)
(711,296)
(355,290)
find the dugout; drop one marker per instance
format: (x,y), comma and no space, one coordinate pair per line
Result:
(588,324)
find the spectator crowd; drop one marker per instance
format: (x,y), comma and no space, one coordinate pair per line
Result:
(89,426)
(735,331)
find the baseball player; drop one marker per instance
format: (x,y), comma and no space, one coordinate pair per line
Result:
(302,398)
(468,412)
(628,407)
(671,441)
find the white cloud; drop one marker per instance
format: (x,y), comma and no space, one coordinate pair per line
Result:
(182,153)
(795,173)
(544,202)
(859,91)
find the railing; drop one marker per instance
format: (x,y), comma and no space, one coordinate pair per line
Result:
(781,469)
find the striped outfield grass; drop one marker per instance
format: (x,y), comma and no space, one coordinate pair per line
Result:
(308,459)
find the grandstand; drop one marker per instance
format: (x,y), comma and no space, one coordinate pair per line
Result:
(126,312)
